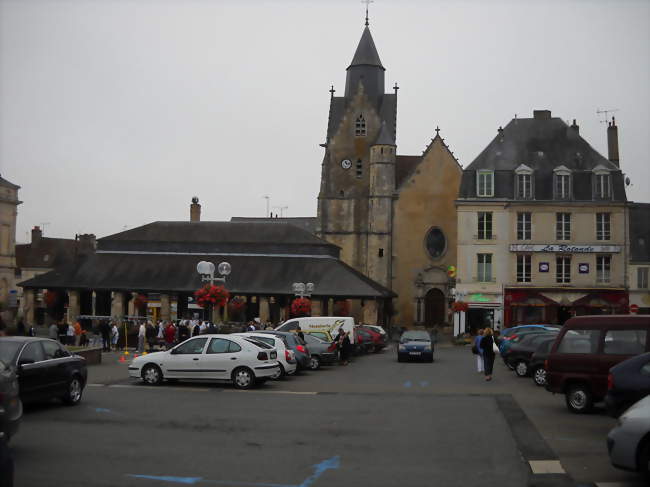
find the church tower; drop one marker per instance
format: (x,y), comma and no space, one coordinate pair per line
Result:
(354,193)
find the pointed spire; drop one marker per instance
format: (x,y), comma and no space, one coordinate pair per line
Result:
(366,53)
(385,136)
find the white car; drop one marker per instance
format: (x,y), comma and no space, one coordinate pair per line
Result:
(629,442)
(286,357)
(212,358)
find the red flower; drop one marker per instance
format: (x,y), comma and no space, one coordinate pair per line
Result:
(301,307)
(211,294)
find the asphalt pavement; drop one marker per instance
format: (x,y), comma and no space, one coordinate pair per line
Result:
(375,422)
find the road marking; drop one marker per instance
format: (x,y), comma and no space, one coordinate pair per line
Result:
(618,484)
(319,469)
(546,466)
(95,385)
(424,383)
(408,383)
(298,393)
(145,388)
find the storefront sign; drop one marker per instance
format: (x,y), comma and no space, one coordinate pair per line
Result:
(583,268)
(479,298)
(565,248)
(544,267)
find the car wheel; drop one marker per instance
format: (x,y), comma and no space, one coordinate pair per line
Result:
(314,363)
(521,369)
(539,376)
(578,399)
(281,373)
(243,378)
(152,375)
(74,391)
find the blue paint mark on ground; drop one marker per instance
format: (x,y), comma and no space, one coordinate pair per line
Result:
(102,410)
(319,469)
(424,383)
(408,383)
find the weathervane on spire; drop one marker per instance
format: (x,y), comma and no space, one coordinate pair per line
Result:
(367,2)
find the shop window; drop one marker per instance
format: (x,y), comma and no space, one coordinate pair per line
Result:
(484,267)
(563,226)
(484,225)
(563,270)
(642,278)
(603,268)
(485,183)
(625,342)
(579,341)
(524,267)
(524,226)
(603,227)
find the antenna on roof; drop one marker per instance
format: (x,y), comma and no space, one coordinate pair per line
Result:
(367,2)
(606,113)
(43,227)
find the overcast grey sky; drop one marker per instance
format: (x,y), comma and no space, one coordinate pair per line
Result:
(115,113)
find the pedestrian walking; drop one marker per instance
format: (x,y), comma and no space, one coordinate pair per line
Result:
(53,331)
(170,335)
(487,346)
(345,348)
(69,334)
(196,329)
(20,328)
(105,331)
(150,333)
(142,334)
(476,350)
(300,333)
(77,333)
(115,336)
(62,331)
(183,331)
(212,329)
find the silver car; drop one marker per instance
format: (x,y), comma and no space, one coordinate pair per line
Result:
(629,442)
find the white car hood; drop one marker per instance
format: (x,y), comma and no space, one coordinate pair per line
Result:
(149,356)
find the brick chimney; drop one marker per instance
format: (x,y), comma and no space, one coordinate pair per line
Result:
(86,244)
(195,210)
(37,235)
(612,142)
(542,114)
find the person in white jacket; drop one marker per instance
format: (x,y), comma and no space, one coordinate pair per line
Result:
(141,335)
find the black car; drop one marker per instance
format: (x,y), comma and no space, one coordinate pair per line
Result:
(295,343)
(45,369)
(519,354)
(628,382)
(537,361)
(322,352)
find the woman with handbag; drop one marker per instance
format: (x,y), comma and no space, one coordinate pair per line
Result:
(487,347)
(476,350)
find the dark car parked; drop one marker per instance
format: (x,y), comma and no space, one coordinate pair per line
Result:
(378,341)
(415,344)
(45,369)
(295,343)
(519,354)
(11,408)
(321,352)
(538,361)
(628,382)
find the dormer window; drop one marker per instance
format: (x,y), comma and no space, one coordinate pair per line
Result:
(602,183)
(524,182)
(562,183)
(485,184)
(360,126)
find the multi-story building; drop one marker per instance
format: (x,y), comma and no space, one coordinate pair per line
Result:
(8,211)
(541,227)
(639,261)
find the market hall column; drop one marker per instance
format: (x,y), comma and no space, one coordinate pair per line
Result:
(118,301)
(316,307)
(74,306)
(165,307)
(29,307)
(370,311)
(264,309)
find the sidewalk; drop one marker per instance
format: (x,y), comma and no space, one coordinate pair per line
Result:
(111,370)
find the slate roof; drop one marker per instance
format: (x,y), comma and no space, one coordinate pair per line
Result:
(542,144)
(366,53)
(307,223)
(639,232)
(7,184)
(255,275)
(385,136)
(49,253)
(405,165)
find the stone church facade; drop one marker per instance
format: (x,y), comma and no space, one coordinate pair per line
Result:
(393,216)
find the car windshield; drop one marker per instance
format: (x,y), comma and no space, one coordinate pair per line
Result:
(9,350)
(415,336)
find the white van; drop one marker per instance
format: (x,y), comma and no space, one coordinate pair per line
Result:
(320,323)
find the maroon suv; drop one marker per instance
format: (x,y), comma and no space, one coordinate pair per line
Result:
(584,351)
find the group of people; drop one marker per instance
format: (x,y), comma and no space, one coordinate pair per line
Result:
(166,334)
(485,348)
(66,333)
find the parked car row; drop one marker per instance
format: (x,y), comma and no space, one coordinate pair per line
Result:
(594,359)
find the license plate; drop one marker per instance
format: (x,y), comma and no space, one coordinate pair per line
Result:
(414,353)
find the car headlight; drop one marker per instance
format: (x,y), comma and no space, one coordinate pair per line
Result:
(427,348)
(402,347)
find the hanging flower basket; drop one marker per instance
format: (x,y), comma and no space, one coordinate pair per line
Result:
(50,298)
(140,301)
(211,295)
(459,306)
(236,305)
(300,307)
(342,308)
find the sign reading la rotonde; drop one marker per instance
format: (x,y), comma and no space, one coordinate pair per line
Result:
(565,248)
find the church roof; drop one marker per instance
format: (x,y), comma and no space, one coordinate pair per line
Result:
(7,184)
(404,165)
(366,53)
(385,136)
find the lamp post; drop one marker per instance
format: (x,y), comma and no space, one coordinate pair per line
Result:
(301,289)
(206,270)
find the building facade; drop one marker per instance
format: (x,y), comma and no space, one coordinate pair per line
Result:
(542,227)
(639,260)
(391,215)
(8,211)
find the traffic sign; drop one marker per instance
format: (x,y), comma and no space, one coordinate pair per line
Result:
(634,308)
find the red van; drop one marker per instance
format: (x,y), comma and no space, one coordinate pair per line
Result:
(584,351)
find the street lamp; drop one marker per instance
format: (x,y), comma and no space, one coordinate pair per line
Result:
(206,269)
(301,289)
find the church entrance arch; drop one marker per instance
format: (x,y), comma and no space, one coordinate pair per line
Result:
(434,308)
